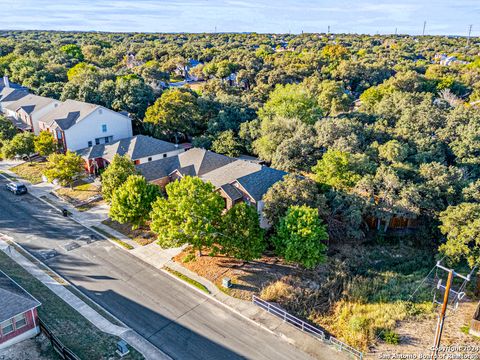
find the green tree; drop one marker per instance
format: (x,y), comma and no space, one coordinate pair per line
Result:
(132,201)
(132,95)
(241,236)
(336,168)
(333,98)
(7,130)
(292,190)
(66,168)
(45,143)
(116,174)
(20,145)
(190,214)
(393,151)
(461,225)
(226,143)
(73,50)
(175,114)
(291,101)
(301,237)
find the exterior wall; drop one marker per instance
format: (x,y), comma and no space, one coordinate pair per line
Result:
(29,330)
(90,128)
(162,182)
(8,112)
(36,115)
(159,156)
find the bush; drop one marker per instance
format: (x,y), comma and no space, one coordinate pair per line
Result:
(276,291)
(390,337)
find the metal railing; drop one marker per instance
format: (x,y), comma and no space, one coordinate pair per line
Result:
(298,323)
(64,352)
(306,327)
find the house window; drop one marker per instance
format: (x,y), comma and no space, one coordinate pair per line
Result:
(104,128)
(107,139)
(97,141)
(7,327)
(20,321)
(90,144)
(164,155)
(59,134)
(149,159)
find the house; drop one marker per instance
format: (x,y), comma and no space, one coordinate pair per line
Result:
(5,83)
(77,125)
(140,149)
(18,313)
(9,95)
(236,180)
(26,111)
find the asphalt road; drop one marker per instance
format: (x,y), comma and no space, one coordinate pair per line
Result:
(179,321)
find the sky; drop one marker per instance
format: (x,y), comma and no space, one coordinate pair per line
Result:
(264,16)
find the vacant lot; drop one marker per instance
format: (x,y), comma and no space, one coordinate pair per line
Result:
(31,171)
(73,330)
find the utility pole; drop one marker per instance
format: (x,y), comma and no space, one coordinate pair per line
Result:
(424,25)
(469,33)
(395,31)
(443,310)
(328,31)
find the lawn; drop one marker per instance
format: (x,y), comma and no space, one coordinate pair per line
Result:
(188,280)
(30,171)
(80,193)
(142,236)
(73,330)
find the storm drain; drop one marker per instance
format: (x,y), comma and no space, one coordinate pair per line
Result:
(47,254)
(72,245)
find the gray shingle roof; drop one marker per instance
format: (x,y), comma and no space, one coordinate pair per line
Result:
(157,169)
(30,103)
(13,299)
(258,183)
(203,161)
(136,147)
(9,94)
(231,192)
(11,85)
(68,114)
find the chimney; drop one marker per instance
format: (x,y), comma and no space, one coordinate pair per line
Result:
(6,83)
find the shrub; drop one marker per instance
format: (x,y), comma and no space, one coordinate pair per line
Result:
(276,291)
(390,337)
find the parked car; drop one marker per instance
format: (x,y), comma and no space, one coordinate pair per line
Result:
(17,188)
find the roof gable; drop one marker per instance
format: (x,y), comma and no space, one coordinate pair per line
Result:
(14,300)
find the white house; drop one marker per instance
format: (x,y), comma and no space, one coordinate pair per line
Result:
(26,111)
(77,125)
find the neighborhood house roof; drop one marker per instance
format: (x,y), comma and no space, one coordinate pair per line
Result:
(13,299)
(68,114)
(222,171)
(10,85)
(10,94)
(136,147)
(29,103)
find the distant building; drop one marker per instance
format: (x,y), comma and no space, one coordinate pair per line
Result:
(446,60)
(18,313)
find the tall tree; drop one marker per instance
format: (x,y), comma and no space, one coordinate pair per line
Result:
(116,174)
(45,143)
(20,145)
(132,201)
(241,236)
(301,237)
(65,168)
(190,214)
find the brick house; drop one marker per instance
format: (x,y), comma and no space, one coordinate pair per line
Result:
(18,313)
(235,180)
(140,149)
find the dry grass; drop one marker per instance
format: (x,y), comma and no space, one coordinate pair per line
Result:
(276,290)
(248,278)
(30,171)
(79,193)
(142,236)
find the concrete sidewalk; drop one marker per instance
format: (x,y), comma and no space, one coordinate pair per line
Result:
(158,257)
(131,337)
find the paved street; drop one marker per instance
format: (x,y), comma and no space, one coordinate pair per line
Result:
(181,322)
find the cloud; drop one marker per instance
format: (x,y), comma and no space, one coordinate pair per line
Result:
(443,17)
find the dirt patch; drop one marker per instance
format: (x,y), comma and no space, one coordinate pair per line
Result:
(38,348)
(82,195)
(248,278)
(142,236)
